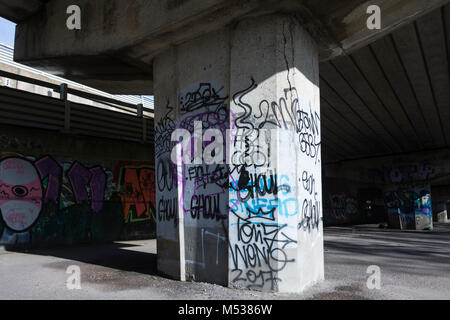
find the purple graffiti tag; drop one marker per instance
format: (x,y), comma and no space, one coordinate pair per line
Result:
(97,185)
(48,167)
(79,178)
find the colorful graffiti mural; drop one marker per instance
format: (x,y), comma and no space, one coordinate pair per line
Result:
(21,194)
(412,206)
(136,189)
(43,202)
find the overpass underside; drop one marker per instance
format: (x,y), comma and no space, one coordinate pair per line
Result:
(385,111)
(323,121)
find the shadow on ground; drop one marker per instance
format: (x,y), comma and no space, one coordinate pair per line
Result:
(118,256)
(413,253)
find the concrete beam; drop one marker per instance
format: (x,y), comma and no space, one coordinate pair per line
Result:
(132,34)
(128,35)
(20,10)
(353,32)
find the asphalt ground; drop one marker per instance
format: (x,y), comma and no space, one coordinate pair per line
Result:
(412,265)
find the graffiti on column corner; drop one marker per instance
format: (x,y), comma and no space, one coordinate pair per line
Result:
(244,186)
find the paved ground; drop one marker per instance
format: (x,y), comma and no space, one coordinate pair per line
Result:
(414,265)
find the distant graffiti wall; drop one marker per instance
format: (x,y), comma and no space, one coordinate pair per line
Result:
(348,202)
(407,183)
(48,202)
(408,173)
(340,208)
(410,208)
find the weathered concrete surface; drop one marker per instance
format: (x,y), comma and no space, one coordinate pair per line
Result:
(414,265)
(391,96)
(227,80)
(20,10)
(31,141)
(412,262)
(442,217)
(274,61)
(119,40)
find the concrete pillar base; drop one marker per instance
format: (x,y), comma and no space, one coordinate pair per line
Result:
(442,217)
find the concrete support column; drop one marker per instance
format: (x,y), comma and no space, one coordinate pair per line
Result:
(255,220)
(440,211)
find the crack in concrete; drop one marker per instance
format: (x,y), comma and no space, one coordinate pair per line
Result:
(285,57)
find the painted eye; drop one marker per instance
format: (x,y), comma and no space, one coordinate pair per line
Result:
(20,191)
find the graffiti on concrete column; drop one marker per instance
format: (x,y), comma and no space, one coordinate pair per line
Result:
(204,186)
(221,242)
(258,239)
(204,95)
(255,200)
(270,205)
(165,171)
(311,207)
(163,131)
(289,111)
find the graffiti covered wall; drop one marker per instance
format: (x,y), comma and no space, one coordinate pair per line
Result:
(48,202)
(410,209)
(340,208)
(408,184)
(134,184)
(350,202)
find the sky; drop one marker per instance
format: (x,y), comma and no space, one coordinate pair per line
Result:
(7,31)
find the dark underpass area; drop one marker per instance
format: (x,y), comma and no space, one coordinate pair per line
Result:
(216,150)
(413,265)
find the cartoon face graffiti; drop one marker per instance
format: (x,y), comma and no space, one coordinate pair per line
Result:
(20,194)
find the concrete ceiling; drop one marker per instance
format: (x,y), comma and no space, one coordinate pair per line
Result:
(20,10)
(124,36)
(392,96)
(382,92)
